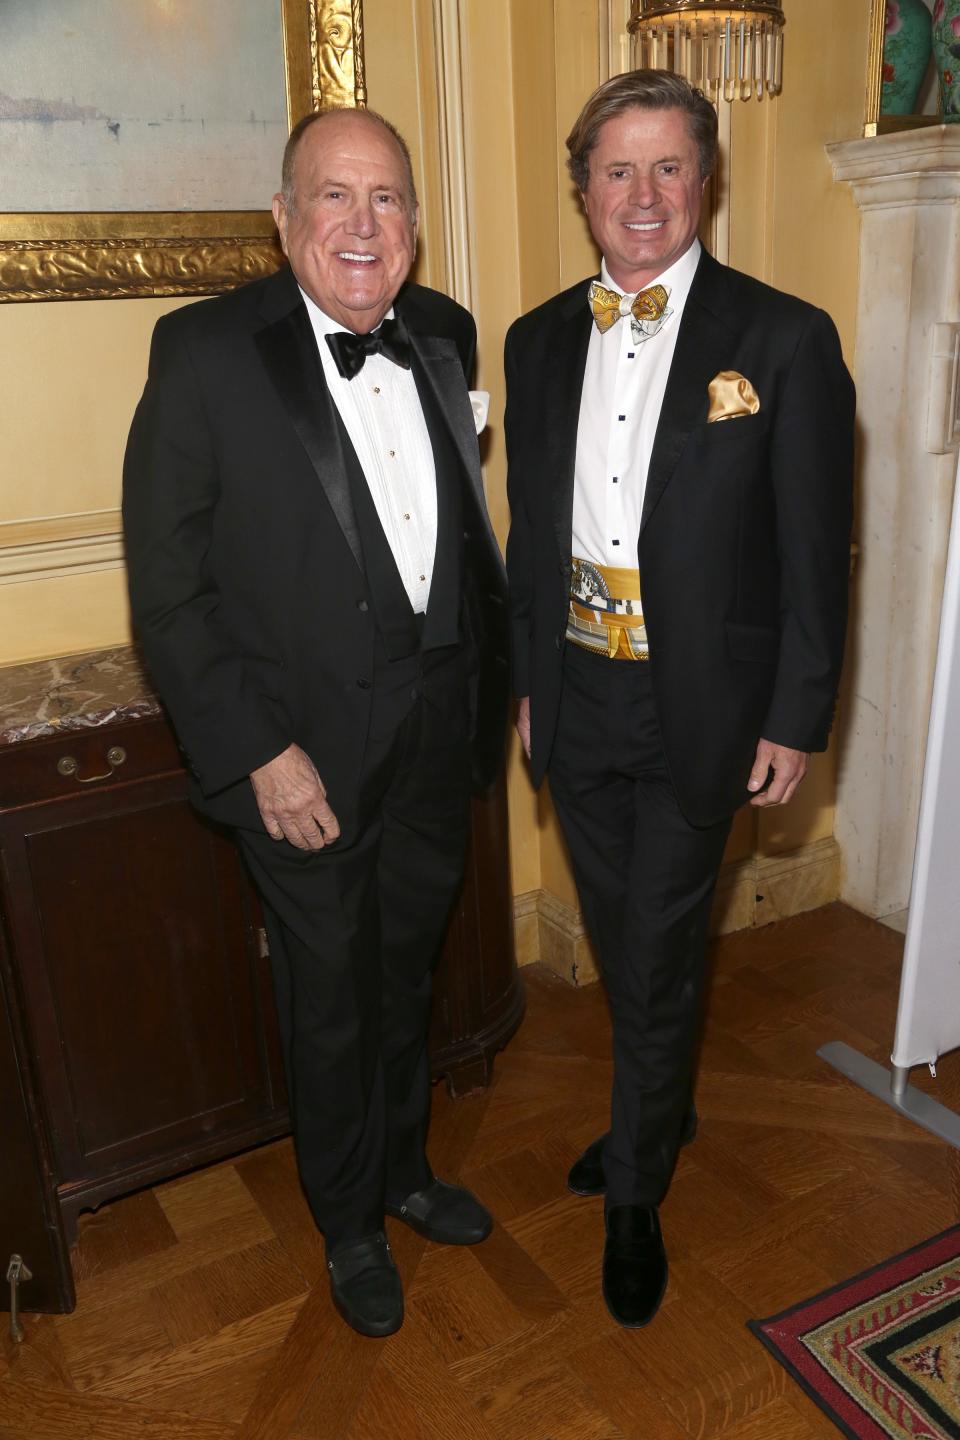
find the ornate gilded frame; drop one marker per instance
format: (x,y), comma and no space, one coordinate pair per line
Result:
(871,116)
(873,122)
(88,256)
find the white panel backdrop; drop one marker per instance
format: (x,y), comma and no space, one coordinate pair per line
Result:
(928,1019)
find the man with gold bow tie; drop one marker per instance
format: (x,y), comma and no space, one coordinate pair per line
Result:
(680,443)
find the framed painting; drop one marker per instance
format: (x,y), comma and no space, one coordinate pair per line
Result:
(903,90)
(142,138)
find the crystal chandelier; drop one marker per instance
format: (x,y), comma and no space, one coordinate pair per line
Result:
(730,49)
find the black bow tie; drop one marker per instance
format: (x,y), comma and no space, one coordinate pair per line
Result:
(350,351)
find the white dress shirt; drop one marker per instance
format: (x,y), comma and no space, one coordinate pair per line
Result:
(381,410)
(623,389)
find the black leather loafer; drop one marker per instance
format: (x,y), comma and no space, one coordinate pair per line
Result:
(365,1285)
(634,1264)
(448,1214)
(586,1174)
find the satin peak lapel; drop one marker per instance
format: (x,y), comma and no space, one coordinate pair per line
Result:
(440,362)
(704,344)
(289,353)
(563,384)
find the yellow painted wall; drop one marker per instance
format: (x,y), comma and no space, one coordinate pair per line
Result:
(504,189)
(63,615)
(793,227)
(70,372)
(70,376)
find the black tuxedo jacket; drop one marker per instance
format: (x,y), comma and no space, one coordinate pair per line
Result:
(744,539)
(247,576)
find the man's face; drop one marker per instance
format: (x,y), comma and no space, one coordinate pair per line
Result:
(644,193)
(350,232)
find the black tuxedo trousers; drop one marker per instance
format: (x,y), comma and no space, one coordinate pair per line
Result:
(646,878)
(354,931)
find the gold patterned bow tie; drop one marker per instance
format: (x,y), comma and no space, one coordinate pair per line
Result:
(648,310)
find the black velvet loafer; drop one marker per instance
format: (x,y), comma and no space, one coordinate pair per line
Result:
(586,1175)
(365,1285)
(634,1264)
(448,1214)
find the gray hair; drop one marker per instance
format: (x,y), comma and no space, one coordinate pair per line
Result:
(644,90)
(316,117)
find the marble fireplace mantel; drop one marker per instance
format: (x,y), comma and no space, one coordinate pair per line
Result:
(907,187)
(910,167)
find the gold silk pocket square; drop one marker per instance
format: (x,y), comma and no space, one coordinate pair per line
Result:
(731,394)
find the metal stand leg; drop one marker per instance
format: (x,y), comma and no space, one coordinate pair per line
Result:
(891,1087)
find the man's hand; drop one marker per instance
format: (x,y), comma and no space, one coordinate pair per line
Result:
(293,801)
(523,724)
(788,766)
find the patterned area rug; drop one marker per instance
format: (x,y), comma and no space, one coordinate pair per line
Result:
(880,1354)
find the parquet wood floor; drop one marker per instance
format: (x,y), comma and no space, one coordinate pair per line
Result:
(204,1312)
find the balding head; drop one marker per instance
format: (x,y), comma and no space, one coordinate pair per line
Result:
(347,214)
(320,117)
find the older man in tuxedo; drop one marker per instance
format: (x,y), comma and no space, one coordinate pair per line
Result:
(680,442)
(322,603)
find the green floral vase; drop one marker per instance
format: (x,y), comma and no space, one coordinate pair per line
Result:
(906,55)
(946,52)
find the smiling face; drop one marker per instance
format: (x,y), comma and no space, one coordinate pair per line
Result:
(349,228)
(644,193)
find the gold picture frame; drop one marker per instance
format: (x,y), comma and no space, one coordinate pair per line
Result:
(876,123)
(118,255)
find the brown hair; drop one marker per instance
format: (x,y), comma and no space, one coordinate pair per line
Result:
(646,90)
(314,118)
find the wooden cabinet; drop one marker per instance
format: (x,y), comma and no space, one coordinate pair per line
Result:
(139,1036)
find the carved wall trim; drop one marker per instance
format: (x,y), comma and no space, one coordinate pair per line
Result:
(612,17)
(60,545)
(718,242)
(454,184)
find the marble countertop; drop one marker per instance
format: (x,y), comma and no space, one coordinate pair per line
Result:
(74,692)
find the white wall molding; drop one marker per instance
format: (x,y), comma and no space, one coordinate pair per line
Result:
(452,110)
(720,186)
(612,17)
(60,545)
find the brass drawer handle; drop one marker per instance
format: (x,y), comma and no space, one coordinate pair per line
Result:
(67,765)
(17,1273)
